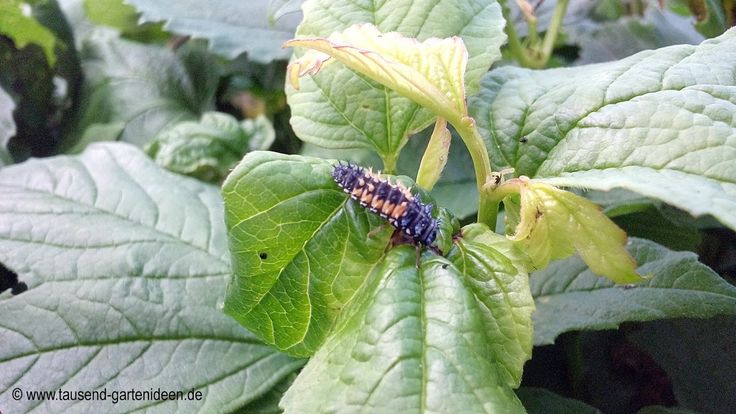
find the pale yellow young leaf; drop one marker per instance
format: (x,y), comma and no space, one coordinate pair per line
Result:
(435,156)
(554,224)
(431,72)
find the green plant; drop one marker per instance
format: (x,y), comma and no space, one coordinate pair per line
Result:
(117,268)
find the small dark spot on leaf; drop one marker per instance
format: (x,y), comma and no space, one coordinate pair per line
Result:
(9,280)
(444,266)
(523,140)
(627,287)
(263,255)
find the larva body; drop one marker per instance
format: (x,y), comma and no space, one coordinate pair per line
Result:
(393,202)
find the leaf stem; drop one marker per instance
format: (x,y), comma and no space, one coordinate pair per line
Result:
(389,163)
(533,55)
(552,30)
(517,49)
(466,128)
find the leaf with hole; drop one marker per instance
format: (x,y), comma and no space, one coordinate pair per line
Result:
(125,265)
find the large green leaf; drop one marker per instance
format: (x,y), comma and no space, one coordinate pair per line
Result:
(7,126)
(570,297)
(413,341)
(125,264)
(148,88)
(380,119)
(123,17)
(659,123)
(620,38)
(300,248)
(430,73)
(498,280)
(231,26)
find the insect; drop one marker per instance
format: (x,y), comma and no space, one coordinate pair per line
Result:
(393,202)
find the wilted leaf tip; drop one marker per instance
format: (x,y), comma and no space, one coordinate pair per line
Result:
(555,223)
(310,63)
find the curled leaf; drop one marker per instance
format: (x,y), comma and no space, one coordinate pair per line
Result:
(435,156)
(554,224)
(430,73)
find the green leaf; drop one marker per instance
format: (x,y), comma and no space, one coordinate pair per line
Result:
(570,297)
(97,133)
(659,123)
(279,8)
(125,265)
(555,223)
(612,40)
(697,358)
(667,226)
(300,248)
(269,402)
(210,148)
(412,341)
(25,30)
(495,274)
(231,26)
(541,401)
(381,119)
(149,88)
(117,14)
(430,73)
(261,133)
(7,126)
(620,202)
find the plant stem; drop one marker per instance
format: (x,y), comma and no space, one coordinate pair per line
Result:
(517,49)
(534,56)
(554,27)
(389,163)
(466,128)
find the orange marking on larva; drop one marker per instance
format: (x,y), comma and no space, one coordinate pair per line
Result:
(388,207)
(399,210)
(357,192)
(405,191)
(377,203)
(366,197)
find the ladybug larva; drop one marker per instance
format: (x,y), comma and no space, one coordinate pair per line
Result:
(393,202)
